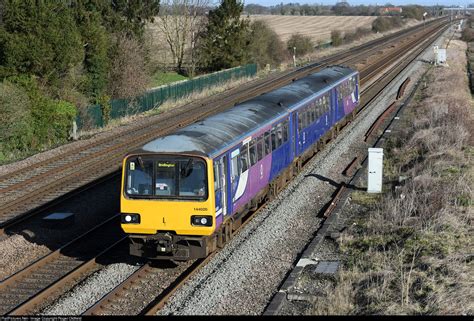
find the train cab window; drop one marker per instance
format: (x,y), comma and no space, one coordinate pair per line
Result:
(260,148)
(140,177)
(300,121)
(244,157)
(192,178)
(165,177)
(268,143)
(253,152)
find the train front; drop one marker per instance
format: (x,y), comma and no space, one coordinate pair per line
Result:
(167,205)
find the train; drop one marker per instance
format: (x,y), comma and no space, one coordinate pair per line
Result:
(184,195)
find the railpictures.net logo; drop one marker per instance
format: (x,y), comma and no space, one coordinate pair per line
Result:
(40,318)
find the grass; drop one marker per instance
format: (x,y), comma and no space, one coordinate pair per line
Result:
(162,78)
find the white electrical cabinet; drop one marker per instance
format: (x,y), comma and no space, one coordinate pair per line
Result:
(375,170)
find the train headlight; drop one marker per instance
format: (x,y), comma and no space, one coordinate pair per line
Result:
(201,220)
(130,218)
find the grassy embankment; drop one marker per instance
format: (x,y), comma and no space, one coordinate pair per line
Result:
(160,78)
(410,252)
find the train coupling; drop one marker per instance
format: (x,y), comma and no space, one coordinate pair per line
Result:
(169,246)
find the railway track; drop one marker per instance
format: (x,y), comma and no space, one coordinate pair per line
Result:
(22,292)
(29,190)
(111,302)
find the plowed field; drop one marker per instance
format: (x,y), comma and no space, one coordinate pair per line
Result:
(317,27)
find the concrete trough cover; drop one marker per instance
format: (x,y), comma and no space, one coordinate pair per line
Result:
(327,267)
(58,220)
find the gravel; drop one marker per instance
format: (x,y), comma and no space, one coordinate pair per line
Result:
(85,294)
(16,253)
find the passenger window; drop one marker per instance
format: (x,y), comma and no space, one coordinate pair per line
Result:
(260,148)
(279,132)
(235,167)
(268,144)
(217,181)
(274,141)
(253,152)
(285,131)
(244,157)
(300,121)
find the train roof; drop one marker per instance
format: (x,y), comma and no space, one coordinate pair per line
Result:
(214,133)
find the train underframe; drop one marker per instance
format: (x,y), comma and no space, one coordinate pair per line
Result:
(167,245)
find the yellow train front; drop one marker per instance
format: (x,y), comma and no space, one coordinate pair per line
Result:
(167,205)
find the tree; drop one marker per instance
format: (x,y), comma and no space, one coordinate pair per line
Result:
(96,43)
(224,43)
(181,21)
(127,16)
(39,38)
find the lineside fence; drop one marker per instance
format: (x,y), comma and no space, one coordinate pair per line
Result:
(155,97)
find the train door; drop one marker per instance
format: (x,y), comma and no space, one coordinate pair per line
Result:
(220,182)
(340,99)
(295,134)
(239,171)
(223,172)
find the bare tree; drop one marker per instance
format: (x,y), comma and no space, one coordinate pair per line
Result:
(128,76)
(181,21)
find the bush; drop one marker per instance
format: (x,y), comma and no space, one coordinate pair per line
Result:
(302,43)
(62,117)
(16,131)
(356,35)
(265,47)
(336,38)
(468,34)
(128,75)
(382,24)
(51,119)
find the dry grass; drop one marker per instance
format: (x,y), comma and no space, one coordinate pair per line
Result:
(411,252)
